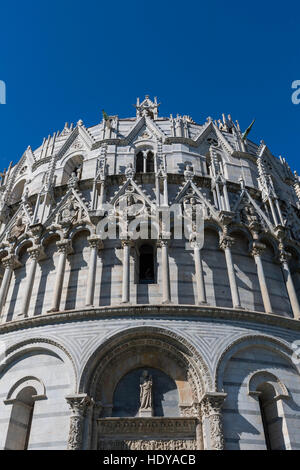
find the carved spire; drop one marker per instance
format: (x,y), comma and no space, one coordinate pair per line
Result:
(297,186)
(147,108)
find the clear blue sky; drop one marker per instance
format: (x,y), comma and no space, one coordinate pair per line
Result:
(65,60)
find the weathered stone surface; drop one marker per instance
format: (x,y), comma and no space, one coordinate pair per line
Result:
(216,323)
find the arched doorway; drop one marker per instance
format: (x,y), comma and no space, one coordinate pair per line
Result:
(178,381)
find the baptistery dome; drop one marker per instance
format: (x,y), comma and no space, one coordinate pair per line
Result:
(150,282)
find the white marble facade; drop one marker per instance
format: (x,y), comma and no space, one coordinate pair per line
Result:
(217,320)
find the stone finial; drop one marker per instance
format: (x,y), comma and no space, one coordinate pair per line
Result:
(147,108)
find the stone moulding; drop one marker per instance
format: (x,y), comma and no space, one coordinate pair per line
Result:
(178,312)
(152,427)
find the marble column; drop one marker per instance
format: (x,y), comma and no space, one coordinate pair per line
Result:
(64,248)
(211,407)
(145,161)
(166,197)
(256,252)
(96,415)
(95,243)
(201,294)
(225,245)
(126,244)
(273,212)
(35,254)
(79,405)
(9,263)
(102,194)
(226,198)
(284,257)
(166,290)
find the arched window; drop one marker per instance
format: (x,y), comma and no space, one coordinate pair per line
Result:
(20,420)
(150,163)
(146,265)
(271,421)
(145,162)
(139,166)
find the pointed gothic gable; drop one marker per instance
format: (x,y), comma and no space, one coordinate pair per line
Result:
(23,213)
(191,185)
(245,197)
(271,164)
(209,130)
(79,139)
(144,124)
(30,156)
(136,190)
(23,167)
(70,211)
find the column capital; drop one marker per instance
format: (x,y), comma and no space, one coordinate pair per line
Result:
(257,249)
(64,246)
(284,256)
(95,241)
(11,261)
(127,243)
(212,402)
(36,252)
(226,242)
(163,242)
(196,245)
(79,403)
(211,405)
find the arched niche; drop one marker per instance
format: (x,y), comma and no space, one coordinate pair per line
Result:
(215,270)
(294,264)
(40,366)
(126,397)
(246,272)
(73,164)
(275,279)
(143,354)
(76,271)
(113,373)
(246,373)
(17,192)
(16,289)
(269,392)
(143,348)
(19,428)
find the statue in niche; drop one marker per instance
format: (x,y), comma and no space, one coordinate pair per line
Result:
(146,400)
(75,177)
(129,171)
(190,206)
(189,173)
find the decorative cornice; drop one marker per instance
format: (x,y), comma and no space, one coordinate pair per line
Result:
(176,312)
(154,426)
